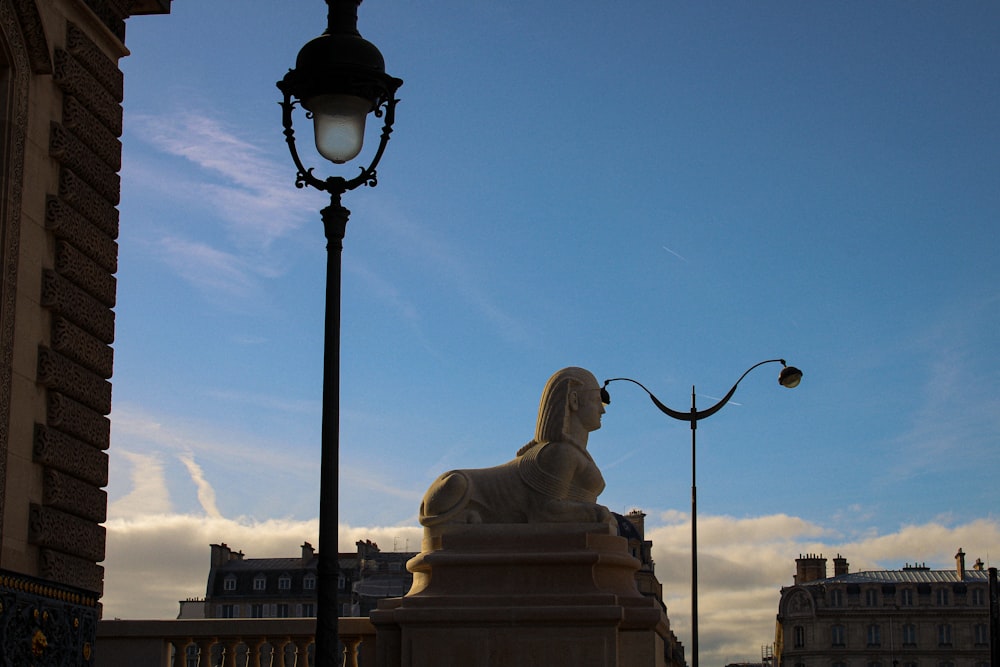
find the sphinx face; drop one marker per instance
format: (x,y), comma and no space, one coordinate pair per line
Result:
(590,407)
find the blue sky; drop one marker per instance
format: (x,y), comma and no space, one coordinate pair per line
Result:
(660,190)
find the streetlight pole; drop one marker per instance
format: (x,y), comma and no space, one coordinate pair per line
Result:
(339,78)
(789,377)
(694,534)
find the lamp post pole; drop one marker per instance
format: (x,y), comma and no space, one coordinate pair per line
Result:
(328,571)
(339,78)
(789,377)
(694,533)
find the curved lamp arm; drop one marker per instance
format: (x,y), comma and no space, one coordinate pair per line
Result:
(789,377)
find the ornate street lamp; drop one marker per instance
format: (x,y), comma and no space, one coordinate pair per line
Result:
(339,79)
(789,377)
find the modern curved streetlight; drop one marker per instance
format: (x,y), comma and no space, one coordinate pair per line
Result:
(789,377)
(339,79)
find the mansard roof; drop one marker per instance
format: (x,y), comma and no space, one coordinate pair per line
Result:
(916,575)
(267,564)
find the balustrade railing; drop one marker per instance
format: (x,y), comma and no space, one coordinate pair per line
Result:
(226,642)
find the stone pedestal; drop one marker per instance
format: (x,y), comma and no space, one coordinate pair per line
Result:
(544,595)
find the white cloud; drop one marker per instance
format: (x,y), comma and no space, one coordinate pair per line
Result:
(744,562)
(149,494)
(254,197)
(206,494)
(436,257)
(154,561)
(958,411)
(269,402)
(208,268)
(253,194)
(150,432)
(249,196)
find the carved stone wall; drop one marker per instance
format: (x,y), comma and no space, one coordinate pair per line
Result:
(60,122)
(74,366)
(14,84)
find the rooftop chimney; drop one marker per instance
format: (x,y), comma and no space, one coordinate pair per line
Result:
(307,553)
(960,564)
(979,566)
(638,519)
(809,568)
(221,553)
(840,566)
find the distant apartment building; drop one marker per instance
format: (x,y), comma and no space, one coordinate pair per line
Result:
(633,527)
(240,587)
(912,617)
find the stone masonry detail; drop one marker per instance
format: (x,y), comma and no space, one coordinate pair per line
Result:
(79,291)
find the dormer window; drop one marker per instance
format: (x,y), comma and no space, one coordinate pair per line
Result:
(260,582)
(284,583)
(229,583)
(309,582)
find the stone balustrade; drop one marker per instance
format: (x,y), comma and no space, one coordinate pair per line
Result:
(230,642)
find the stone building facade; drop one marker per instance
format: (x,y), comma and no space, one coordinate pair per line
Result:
(632,526)
(240,587)
(912,617)
(60,122)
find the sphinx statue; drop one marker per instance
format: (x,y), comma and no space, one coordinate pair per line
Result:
(551,479)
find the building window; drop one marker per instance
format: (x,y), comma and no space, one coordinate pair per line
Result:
(308,609)
(227,611)
(257,611)
(341,582)
(944,634)
(871,598)
(837,637)
(284,583)
(259,582)
(874,635)
(909,634)
(978,597)
(229,584)
(941,597)
(906,597)
(836,598)
(282,611)
(309,583)
(799,636)
(981,632)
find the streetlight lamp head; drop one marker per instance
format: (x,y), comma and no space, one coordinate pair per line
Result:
(605,396)
(339,125)
(339,78)
(790,376)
